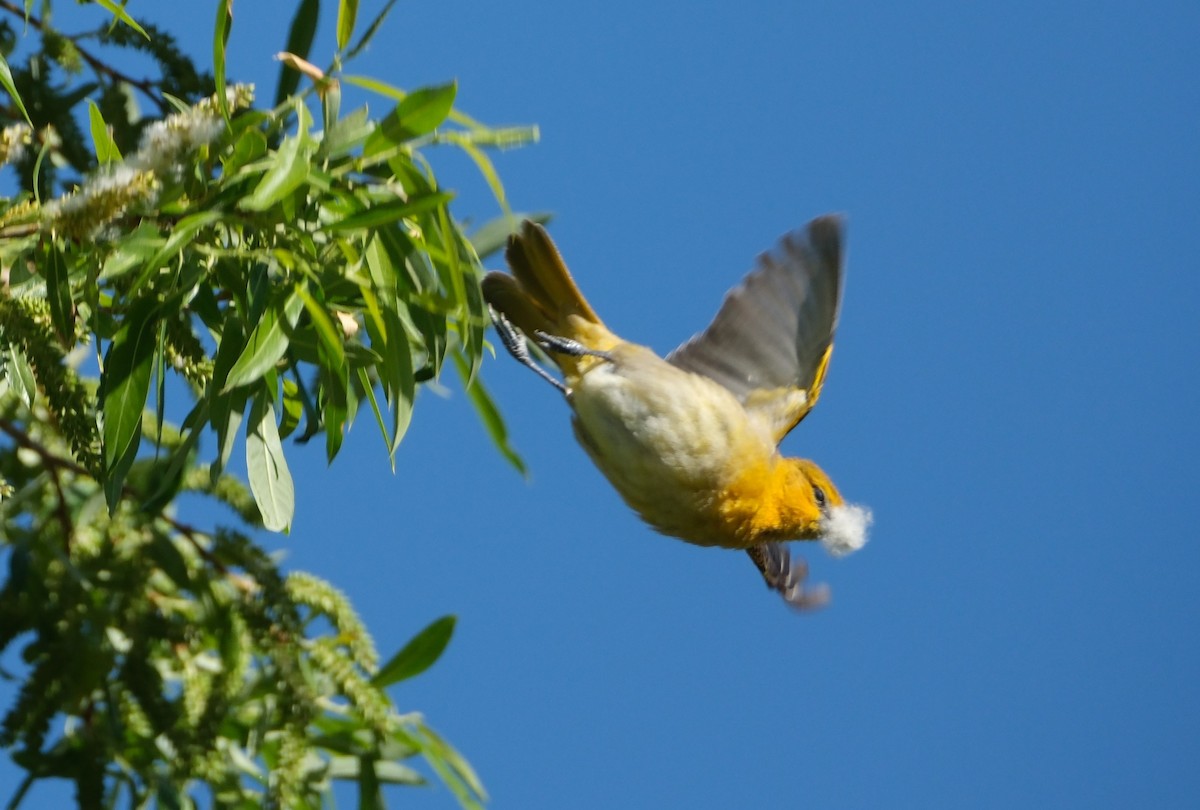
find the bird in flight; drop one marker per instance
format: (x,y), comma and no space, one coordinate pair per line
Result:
(690,441)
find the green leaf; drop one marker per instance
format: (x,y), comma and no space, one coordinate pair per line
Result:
(270,480)
(220,39)
(336,404)
(171,476)
(347,12)
(488,414)
(397,373)
(268,341)
(132,251)
(58,291)
(388,212)
(288,171)
(300,40)
(227,408)
(394,773)
(371,30)
(364,380)
(347,133)
(6,80)
(390,91)
(455,771)
(418,655)
(182,235)
(293,408)
(249,146)
(420,112)
(485,166)
(120,14)
(327,333)
(17,369)
(126,385)
(102,139)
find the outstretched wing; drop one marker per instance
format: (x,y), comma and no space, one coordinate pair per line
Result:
(771,340)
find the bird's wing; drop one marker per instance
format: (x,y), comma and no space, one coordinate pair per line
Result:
(771,340)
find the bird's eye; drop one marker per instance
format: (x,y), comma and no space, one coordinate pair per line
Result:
(819,495)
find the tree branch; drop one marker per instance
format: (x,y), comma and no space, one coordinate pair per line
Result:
(98,65)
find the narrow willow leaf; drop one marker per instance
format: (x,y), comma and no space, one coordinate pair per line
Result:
(476,321)
(270,480)
(419,113)
(126,385)
(293,408)
(267,342)
(400,386)
(249,146)
(300,40)
(192,425)
(182,235)
(335,400)
(327,332)
(17,369)
(288,171)
(394,773)
(347,134)
(433,332)
(6,80)
(58,293)
(388,212)
(370,33)
(331,104)
(486,168)
(220,39)
(347,13)
(364,380)
(133,251)
(488,414)
(453,768)
(160,388)
(102,139)
(227,408)
(123,16)
(418,654)
(463,265)
(393,92)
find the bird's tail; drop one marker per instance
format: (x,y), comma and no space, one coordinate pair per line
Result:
(541,296)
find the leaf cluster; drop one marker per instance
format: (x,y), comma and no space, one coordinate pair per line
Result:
(227,271)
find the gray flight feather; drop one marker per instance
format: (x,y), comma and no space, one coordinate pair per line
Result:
(769,337)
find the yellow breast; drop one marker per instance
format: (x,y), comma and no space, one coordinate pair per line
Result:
(682,451)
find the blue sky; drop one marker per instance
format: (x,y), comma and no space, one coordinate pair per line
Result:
(1013,393)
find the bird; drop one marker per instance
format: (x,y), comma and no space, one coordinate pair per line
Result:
(690,441)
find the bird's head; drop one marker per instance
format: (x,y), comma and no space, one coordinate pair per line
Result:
(841,527)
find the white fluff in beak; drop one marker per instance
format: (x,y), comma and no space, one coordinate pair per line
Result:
(844,529)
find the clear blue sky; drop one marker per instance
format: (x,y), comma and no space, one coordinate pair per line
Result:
(1013,391)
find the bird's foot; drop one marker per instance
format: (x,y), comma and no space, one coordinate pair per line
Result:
(562,345)
(786,575)
(515,343)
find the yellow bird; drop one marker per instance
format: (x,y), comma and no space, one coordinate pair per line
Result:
(691,441)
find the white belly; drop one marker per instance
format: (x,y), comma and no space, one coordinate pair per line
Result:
(666,439)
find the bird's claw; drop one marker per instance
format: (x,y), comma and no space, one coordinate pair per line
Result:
(786,575)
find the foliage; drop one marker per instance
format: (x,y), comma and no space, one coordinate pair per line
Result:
(261,274)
